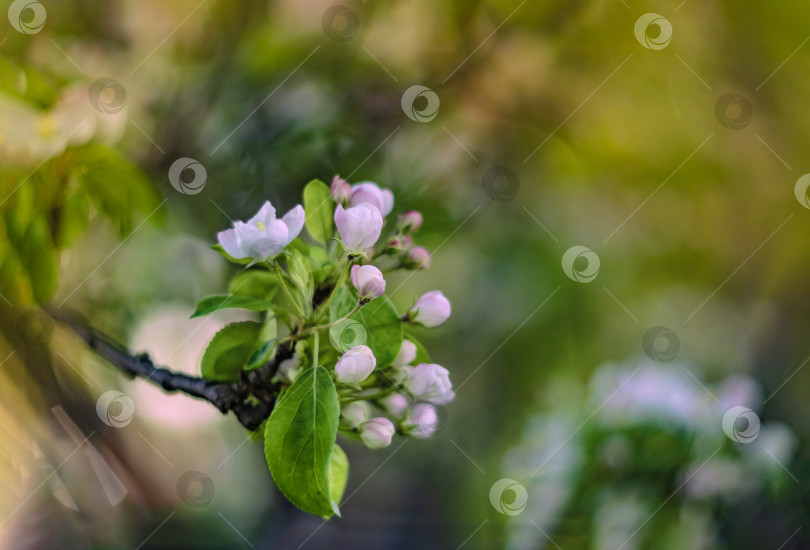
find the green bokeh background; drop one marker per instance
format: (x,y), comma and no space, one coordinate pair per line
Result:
(615,147)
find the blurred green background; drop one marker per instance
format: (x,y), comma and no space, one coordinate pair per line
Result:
(614,436)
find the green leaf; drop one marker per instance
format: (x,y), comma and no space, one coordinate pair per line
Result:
(383,329)
(318,208)
(257,283)
(211,304)
(338,476)
(230,350)
(73,219)
(268,335)
(95,166)
(299,440)
(341,305)
(262,355)
(40,259)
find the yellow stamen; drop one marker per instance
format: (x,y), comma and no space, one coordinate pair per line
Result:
(261,225)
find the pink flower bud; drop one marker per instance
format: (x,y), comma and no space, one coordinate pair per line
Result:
(399,243)
(359,226)
(406,355)
(341,190)
(423,420)
(355,413)
(377,432)
(431,309)
(368,280)
(355,365)
(394,245)
(370,192)
(410,221)
(430,382)
(396,404)
(418,258)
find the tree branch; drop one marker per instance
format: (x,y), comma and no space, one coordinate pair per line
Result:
(251,399)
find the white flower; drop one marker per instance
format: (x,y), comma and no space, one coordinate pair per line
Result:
(406,355)
(355,365)
(423,420)
(263,236)
(431,309)
(377,432)
(370,192)
(355,413)
(368,280)
(359,226)
(430,382)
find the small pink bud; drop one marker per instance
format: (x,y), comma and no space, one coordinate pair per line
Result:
(355,365)
(406,354)
(396,404)
(410,221)
(431,309)
(394,245)
(423,420)
(355,413)
(377,432)
(430,382)
(418,258)
(341,190)
(368,280)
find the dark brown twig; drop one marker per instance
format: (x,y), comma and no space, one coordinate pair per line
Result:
(251,399)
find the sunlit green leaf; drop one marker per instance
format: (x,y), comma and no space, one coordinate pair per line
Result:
(211,304)
(299,440)
(318,208)
(230,350)
(338,476)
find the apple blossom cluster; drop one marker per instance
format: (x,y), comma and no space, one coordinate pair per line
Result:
(353,363)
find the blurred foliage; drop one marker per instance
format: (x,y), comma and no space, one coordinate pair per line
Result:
(618,142)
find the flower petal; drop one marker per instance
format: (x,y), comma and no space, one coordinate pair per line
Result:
(265,214)
(294,220)
(229,240)
(387,202)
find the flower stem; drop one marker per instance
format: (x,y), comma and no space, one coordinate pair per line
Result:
(316,349)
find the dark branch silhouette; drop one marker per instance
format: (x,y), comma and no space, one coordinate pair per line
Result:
(251,399)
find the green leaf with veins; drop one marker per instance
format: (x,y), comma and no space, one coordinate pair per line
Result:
(229,351)
(299,439)
(318,208)
(211,304)
(256,283)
